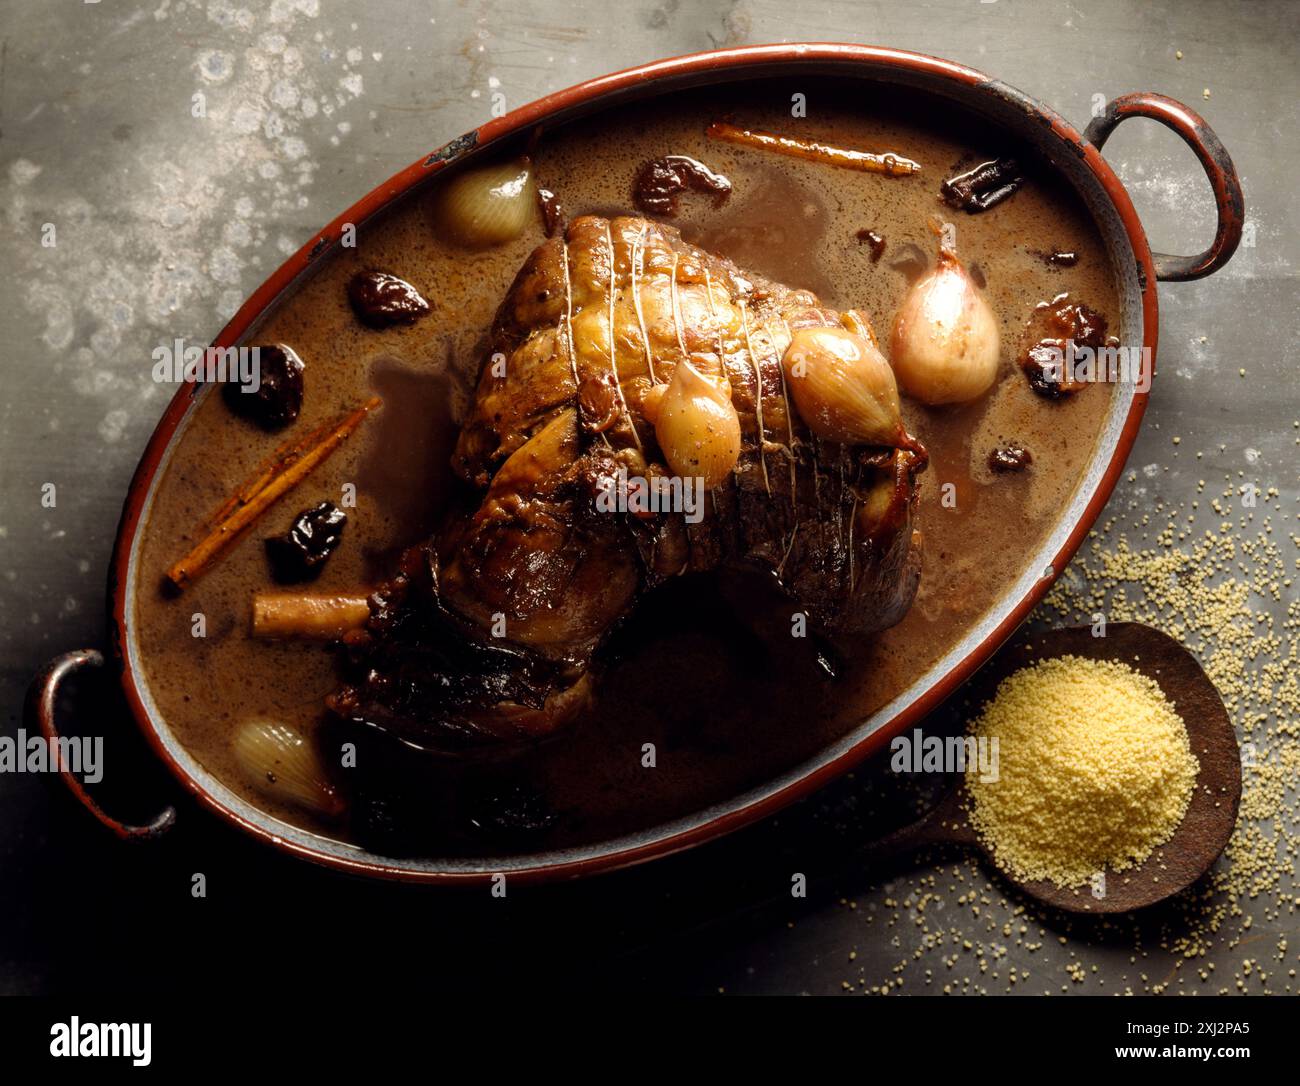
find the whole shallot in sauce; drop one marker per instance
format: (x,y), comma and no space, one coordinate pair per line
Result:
(695,421)
(945,343)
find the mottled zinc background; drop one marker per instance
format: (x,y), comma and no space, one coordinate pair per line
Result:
(165,222)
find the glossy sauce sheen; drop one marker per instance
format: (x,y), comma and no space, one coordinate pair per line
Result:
(724,709)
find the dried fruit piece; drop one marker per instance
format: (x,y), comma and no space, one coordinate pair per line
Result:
(300,554)
(1056,331)
(552,212)
(662,180)
(876,241)
(511,812)
(1008,458)
(983,187)
(278,397)
(381,300)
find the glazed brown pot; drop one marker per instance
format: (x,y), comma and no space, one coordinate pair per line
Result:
(1077,157)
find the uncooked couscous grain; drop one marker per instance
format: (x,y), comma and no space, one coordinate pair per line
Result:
(1230,590)
(1094,770)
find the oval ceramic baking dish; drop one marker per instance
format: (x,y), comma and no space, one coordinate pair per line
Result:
(1076,156)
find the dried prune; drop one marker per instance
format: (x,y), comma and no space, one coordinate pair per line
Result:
(397,814)
(381,300)
(300,553)
(983,187)
(1058,329)
(876,241)
(510,812)
(662,180)
(1008,458)
(552,211)
(277,398)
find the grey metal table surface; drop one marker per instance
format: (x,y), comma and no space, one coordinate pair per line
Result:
(164,221)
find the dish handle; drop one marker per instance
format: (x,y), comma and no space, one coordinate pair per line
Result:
(39,712)
(1199,136)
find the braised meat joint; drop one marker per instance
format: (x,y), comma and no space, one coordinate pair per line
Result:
(645,409)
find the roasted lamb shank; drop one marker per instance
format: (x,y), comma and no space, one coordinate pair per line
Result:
(639,415)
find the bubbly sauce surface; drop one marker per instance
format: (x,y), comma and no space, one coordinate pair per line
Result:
(723,709)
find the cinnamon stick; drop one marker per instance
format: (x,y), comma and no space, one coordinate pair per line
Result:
(288,468)
(307,616)
(888,163)
(278,461)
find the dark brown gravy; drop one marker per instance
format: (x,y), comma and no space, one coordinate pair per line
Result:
(723,708)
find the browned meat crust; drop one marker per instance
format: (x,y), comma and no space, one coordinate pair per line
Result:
(538,574)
